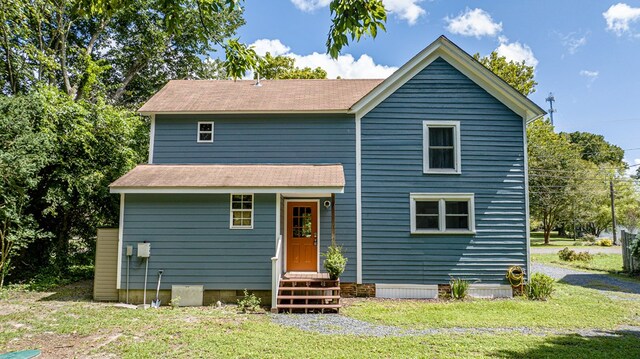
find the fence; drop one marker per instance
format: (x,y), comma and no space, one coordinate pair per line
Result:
(629,262)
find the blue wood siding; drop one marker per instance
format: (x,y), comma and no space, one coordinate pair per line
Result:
(492,168)
(261,139)
(191,241)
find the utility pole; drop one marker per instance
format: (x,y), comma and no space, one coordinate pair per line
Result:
(551,99)
(613,213)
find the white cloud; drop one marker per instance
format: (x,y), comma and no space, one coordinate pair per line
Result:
(517,52)
(573,41)
(310,5)
(274,47)
(346,66)
(405,9)
(631,171)
(408,10)
(591,76)
(619,18)
(476,22)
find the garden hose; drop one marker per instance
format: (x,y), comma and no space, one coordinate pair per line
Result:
(515,275)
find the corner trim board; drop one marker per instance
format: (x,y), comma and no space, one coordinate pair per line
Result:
(527,226)
(152,136)
(120,241)
(358,199)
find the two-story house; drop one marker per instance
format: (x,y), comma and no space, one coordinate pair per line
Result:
(424,173)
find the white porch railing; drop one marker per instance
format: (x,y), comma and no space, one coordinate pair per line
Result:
(276,274)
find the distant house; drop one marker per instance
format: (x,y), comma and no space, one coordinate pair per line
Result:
(427,169)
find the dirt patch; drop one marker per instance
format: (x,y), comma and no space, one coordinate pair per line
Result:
(66,345)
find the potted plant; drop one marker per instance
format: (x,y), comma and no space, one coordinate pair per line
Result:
(334,261)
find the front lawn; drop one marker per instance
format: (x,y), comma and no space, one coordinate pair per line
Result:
(537,239)
(601,262)
(66,324)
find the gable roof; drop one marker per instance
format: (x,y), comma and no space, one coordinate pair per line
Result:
(268,178)
(273,96)
(463,62)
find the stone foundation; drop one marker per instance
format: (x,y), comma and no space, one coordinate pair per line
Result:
(352,290)
(210,297)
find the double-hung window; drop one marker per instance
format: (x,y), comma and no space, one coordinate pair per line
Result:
(441,147)
(205,132)
(241,216)
(442,213)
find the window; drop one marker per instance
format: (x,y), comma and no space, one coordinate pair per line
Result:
(205,131)
(442,213)
(241,211)
(441,141)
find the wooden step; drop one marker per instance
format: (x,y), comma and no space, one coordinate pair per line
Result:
(309,288)
(307,280)
(309,306)
(308,297)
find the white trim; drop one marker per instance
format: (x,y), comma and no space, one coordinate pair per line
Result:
(286,229)
(180,190)
(527,227)
(442,198)
(120,240)
(463,62)
(152,135)
(198,140)
(281,112)
(231,225)
(278,216)
(358,199)
(457,147)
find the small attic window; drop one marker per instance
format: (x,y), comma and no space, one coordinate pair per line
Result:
(205,132)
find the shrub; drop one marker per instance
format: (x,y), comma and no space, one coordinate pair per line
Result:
(540,287)
(249,303)
(459,288)
(569,255)
(334,261)
(589,238)
(606,242)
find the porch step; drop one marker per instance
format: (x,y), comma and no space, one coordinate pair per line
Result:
(308,293)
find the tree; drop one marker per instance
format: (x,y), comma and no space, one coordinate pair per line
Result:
(595,149)
(22,156)
(283,67)
(517,74)
(556,171)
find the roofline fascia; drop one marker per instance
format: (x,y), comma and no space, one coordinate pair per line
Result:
(225,190)
(462,61)
(149,113)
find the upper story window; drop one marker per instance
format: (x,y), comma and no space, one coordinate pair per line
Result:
(241,211)
(441,147)
(442,213)
(205,131)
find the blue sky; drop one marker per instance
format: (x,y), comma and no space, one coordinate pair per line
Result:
(585,52)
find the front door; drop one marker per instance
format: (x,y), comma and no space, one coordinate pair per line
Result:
(302,236)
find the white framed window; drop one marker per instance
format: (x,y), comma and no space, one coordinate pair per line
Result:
(442,213)
(205,132)
(441,147)
(241,211)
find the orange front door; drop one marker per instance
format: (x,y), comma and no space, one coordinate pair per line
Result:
(302,236)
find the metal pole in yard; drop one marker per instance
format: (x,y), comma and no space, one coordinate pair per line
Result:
(613,213)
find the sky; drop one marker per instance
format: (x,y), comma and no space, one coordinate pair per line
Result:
(586,52)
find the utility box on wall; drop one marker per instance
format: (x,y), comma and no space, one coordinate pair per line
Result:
(144,250)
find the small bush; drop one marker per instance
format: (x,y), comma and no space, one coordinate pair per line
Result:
(606,242)
(589,238)
(249,303)
(540,287)
(335,262)
(459,288)
(569,255)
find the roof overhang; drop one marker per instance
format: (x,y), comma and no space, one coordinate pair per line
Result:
(258,178)
(463,62)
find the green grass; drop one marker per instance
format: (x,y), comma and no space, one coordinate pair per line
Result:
(65,324)
(601,262)
(537,239)
(570,308)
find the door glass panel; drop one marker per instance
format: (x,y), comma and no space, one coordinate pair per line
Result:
(302,222)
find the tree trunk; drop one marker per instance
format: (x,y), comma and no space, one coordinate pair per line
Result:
(139,65)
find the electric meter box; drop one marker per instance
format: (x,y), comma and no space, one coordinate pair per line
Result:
(144,250)
(129,251)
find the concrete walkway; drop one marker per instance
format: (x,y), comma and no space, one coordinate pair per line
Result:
(590,249)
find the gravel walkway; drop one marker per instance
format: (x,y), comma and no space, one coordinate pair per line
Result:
(605,283)
(336,324)
(590,249)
